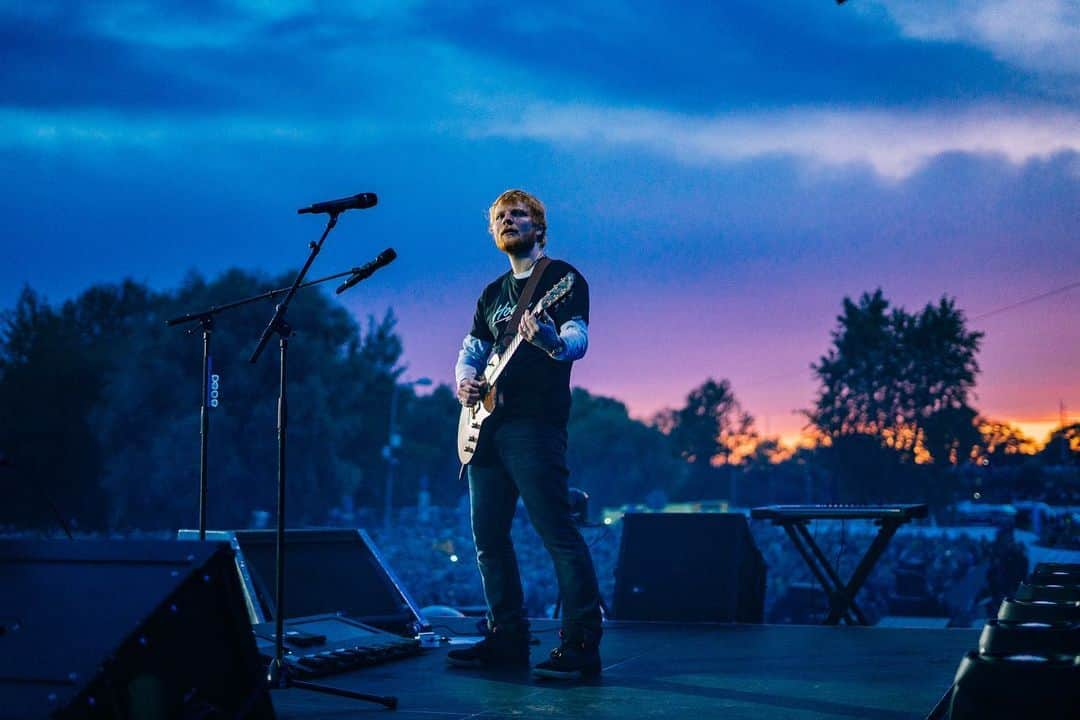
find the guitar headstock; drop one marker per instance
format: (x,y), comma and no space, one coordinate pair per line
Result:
(557,294)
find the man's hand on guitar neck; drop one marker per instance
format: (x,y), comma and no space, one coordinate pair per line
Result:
(541,332)
(470,391)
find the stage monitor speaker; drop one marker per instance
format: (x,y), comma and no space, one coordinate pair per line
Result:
(1015,686)
(689,567)
(327,571)
(125,629)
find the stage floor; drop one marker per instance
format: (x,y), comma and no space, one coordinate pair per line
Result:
(661,670)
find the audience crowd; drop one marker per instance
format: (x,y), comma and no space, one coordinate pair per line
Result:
(946,572)
(953,574)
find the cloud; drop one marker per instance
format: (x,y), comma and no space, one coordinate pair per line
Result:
(726,83)
(711,56)
(52,63)
(204,56)
(894,143)
(239,24)
(1042,35)
(90,131)
(193,54)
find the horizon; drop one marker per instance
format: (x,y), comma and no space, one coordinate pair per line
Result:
(1037,430)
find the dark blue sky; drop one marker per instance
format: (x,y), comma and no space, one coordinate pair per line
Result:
(723,173)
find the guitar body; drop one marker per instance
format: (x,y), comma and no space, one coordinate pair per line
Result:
(472,418)
(470,423)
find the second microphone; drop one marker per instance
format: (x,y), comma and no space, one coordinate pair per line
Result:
(363,272)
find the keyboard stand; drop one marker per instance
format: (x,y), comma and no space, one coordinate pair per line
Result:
(841,595)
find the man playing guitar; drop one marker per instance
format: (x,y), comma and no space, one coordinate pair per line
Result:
(521,450)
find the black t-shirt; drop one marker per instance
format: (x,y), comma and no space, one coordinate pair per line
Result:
(533,384)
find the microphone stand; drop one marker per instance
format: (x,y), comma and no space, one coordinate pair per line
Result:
(279,675)
(205,319)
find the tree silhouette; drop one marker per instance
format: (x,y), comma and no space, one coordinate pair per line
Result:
(52,368)
(894,388)
(903,379)
(1002,443)
(1063,446)
(707,432)
(613,457)
(101,407)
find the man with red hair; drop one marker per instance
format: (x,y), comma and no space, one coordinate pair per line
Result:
(522,450)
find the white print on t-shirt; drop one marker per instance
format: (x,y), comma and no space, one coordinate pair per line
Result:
(502,313)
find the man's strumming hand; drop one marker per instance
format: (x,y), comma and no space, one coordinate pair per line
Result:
(470,391)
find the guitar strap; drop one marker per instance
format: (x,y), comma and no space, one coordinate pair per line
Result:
(527,292)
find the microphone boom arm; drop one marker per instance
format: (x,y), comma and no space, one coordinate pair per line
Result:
(277,322)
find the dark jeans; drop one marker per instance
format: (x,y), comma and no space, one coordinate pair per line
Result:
(527,458)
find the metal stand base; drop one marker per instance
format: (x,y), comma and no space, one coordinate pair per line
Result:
(279,678)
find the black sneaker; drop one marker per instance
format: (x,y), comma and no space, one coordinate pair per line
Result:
(576,658)
(498,649)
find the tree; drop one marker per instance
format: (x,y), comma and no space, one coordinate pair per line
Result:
(613,457)
(858,374)
(893,390)
(1002,443)
(339,389)
(101,405)
(707,432)
(902,379)
(1063,446)
(939,375)
(773,474)
(951,434)
(52,367)
(429,441)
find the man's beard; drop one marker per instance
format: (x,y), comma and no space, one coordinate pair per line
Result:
(514,244)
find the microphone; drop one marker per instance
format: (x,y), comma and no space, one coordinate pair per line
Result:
(353,202)
(363,272)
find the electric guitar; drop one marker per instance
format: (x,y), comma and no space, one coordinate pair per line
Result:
(473,416)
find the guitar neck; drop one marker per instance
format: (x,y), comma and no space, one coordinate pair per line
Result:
(493,375)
